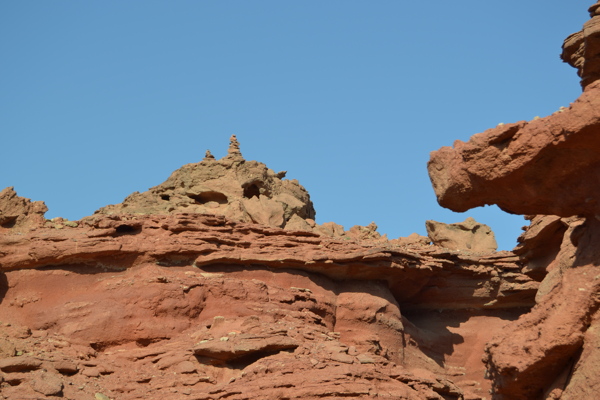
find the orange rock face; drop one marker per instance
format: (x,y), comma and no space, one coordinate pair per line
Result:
(134,306)
(548,168)
(218,283)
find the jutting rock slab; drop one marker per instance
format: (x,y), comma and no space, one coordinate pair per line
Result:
(549,169)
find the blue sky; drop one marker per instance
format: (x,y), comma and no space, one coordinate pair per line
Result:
(102,98)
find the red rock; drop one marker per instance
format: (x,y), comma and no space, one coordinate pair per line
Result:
(220,285)
(19,364)
(506,165)
(46,383)
(546,168)
(582,49)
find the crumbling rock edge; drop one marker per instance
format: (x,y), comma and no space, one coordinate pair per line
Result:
(218,284)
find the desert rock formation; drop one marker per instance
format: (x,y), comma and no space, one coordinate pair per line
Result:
(548,168)
(240,190)
(466,235)
(219,284)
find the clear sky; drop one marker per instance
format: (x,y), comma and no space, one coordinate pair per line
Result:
(99,99)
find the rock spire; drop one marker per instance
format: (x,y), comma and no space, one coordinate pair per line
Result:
(234,153)
(581,49)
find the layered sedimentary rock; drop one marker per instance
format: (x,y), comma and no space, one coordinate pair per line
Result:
(548,168)
(582,49)
(218,283)
(164,306)
(159,303)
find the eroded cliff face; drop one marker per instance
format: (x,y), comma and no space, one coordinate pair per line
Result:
(155,298)
(547,168)
(218,283)
(163,306)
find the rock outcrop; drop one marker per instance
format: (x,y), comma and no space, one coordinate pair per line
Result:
(218,283)
(548,168)
(466,235)
(186,304)
(241,190)
(20,213)
(582,49)
(545,166)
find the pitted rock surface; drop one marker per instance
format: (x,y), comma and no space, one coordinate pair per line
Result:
(164,306)
(241,190)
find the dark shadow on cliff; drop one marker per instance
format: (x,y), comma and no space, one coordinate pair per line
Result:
(258,270)
(3,286)
(586,238)
(431,329)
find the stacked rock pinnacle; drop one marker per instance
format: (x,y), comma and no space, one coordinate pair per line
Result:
(234,153)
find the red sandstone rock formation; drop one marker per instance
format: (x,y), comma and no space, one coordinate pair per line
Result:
(218,284)
(548,166)
(164,306)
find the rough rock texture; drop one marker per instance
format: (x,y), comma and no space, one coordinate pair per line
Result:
(527,167)
(241,190)
(545,166)
(18,212)
(466,235)
(165,306)
(218,284)
(548,168)
(582,49)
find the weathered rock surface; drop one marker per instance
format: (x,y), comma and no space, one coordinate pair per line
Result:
(241,190)
(20,213)
(164,306)
(547,168)
(245,191)
(466,235)
(582,49)
(218,283)
(533,167)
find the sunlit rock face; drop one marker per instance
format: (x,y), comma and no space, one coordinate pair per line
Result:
(218,284)
(240,190)
(548,165)
(582,49)
(548,169)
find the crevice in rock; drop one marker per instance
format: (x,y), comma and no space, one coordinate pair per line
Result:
(251,191)
(128,229)
(148,341)
(207,197)
(8,222)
